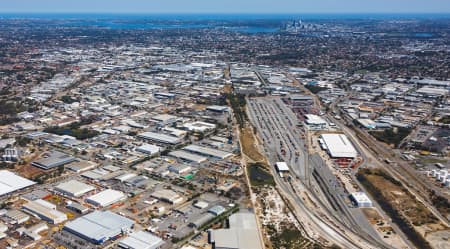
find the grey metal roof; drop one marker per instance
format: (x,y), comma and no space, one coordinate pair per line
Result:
(207,151)
(187,156)
(162,138)
(55,159)
(242,234)
(99,225)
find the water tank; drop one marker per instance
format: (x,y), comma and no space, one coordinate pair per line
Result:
(447,183)
(443,175)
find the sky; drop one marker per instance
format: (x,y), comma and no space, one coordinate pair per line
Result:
(225,6)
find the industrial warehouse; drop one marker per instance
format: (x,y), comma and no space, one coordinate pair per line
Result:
(45,210)
(74,188)
(206,151)
(361,199)
(242,226)
(338,146)
(106,198)
(99,226)
(188,156)
(10,182)
(160,138)
(53,159)
(141,240)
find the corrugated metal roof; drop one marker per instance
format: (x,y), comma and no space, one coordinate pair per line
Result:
(106,197)
(187,156)
(339,146)
(141,240)
(242,234)
(160,137)
(10,182)
(208,151)
(99,225)
(74,188)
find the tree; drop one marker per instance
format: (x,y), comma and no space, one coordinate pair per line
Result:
(61,169)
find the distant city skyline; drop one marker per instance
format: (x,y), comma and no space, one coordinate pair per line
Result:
(222,6)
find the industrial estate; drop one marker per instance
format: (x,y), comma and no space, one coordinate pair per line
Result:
(233,135)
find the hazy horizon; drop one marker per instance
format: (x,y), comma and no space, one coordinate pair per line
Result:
(226,7)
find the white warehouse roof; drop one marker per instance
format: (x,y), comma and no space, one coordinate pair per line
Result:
(199,126)
(282,166)
(361,199)
(141,240)
(106,198)
(74,188)
(10,182)
(338,145)
(149,149)
(45,210)
(315,120)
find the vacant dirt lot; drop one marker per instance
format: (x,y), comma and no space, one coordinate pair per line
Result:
(403,201)
(248,145)
(398,201)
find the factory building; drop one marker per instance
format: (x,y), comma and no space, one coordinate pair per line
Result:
(217,210)
(165,119)
(74,188)
(315,122)
(106,198)
(338,146)
(167,195)
(77,207)
(199,126)
(17,216)
(160,138)
(45,210)
(432,91)
(201,220)
(180,169)
(149,149)
(10,182)
(361,199)
(218,108)
(282,167)
(141,240)
(242,233)
(99,226)
(189,157)
(206,151)
(53,160)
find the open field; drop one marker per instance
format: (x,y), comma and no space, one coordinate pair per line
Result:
(249,145)
(413,218)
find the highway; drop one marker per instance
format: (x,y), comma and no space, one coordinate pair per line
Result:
(277,127)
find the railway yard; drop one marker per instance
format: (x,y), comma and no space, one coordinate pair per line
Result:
(319,189)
